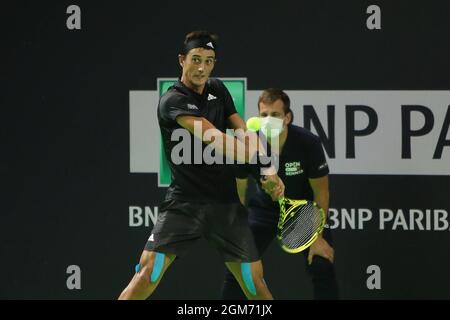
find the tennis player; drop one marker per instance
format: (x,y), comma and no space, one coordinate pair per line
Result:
(304,171)
(202,200)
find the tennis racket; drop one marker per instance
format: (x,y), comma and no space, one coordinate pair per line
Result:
(299,225)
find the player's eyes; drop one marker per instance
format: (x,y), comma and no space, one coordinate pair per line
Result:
(199,61)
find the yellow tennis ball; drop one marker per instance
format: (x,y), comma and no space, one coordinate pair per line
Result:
(254,123)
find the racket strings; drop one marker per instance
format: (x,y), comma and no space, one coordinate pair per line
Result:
(287,206)
(300,225)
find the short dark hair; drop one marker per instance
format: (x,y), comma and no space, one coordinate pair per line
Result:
(204,39)
(201,34)
(271,95)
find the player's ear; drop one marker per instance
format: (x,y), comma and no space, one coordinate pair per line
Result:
(181,58)
(288,118)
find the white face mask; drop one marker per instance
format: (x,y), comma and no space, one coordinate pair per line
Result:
(271,126)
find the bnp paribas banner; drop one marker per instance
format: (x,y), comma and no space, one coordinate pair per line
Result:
(363,131)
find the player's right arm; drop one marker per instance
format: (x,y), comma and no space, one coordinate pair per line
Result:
(225,144)
(243,151)
(177,108)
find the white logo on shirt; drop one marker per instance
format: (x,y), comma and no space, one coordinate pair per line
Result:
(211,97)
(209,44)
(323,166)
(293,168)
(151,238)
(192,106)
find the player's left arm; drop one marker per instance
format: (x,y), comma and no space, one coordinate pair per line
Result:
(236,122)
(321,192)
(317,168)
(322,197)
(318,179)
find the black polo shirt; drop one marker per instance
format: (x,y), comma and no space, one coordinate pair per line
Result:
(301,158)
(190,181)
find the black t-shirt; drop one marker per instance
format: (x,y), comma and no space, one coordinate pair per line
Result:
(301,158)
(191,181)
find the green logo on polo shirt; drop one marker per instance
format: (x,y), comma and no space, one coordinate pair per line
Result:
(292,168)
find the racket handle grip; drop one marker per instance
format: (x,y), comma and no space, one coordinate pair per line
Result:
(282,198)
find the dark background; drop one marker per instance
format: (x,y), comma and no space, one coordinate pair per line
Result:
(66,185)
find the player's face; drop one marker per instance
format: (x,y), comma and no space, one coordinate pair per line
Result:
(197,66)
(275,110)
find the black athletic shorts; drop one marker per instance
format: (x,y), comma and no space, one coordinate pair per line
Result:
(225,226)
